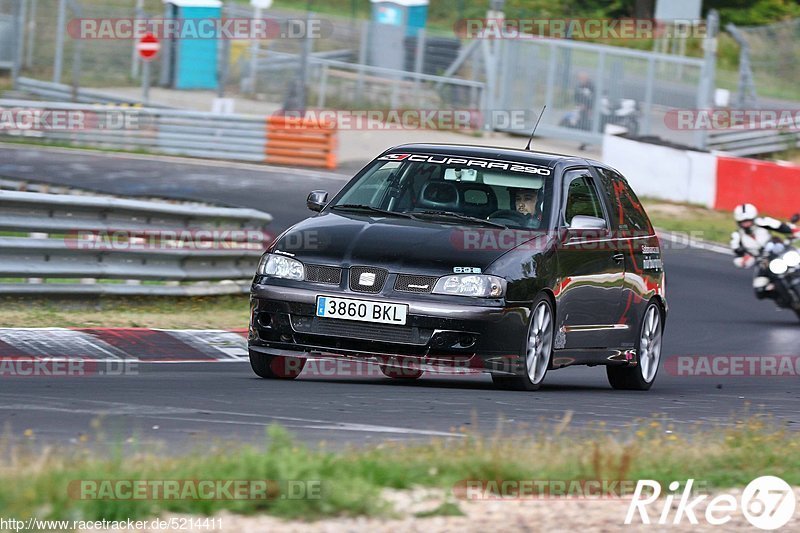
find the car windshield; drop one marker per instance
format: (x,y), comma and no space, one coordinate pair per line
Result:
(452,190)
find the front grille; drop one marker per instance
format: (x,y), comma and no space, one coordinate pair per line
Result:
(348,329)
(414,283)
(324,274)
(367,279)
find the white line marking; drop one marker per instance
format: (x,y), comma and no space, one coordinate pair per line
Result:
(692,242)
(151,411)
(341,426)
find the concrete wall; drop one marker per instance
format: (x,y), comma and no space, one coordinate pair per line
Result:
(662,172)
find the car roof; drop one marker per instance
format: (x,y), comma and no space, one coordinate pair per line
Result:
(543,159)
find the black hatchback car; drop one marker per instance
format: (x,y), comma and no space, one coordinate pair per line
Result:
(451,257)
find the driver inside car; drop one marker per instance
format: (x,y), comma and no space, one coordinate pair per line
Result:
(526,200)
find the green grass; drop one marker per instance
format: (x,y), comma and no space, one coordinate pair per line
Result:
(15,139)
(700,222)
(35,481)
(214,312)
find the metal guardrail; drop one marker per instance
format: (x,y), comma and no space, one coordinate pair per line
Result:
(168,131)
(64,93)
(746,143)
(269,60)
(101,245)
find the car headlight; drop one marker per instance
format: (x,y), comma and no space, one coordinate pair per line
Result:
(792,258)
(778,267)
(471,285)
(278,266)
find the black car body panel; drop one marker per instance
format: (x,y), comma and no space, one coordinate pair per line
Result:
(600,282)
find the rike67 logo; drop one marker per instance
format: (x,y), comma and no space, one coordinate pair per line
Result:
(768,503)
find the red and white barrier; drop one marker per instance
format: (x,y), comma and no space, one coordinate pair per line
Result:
(773,187)
(714,180)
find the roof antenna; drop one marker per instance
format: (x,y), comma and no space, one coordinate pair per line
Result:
(530,140)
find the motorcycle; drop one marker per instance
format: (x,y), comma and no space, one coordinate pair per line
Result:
(625,113)
(780,261)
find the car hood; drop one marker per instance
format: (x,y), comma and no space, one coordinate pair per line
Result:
(397,244)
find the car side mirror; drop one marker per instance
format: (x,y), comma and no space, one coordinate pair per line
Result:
(795,218)
(584,223)
(585,227)
(317,200)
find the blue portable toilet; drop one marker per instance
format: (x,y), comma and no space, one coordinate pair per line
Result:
(191,62)
(409,14)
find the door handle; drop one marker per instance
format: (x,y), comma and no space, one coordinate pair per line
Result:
(619,258)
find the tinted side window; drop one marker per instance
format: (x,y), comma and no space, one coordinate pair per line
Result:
(581,197)
(627,210)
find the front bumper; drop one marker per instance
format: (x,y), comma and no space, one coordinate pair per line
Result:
(438,333)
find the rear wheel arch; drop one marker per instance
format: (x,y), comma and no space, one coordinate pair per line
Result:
(662,307)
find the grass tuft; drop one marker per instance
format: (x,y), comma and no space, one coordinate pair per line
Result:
(34,480)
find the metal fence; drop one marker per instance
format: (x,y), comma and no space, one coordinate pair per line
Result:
(357,64)
(7,35)
(539,72)
(774,50)
(67,244)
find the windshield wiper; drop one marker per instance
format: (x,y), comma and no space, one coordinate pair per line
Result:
(364,207)
(465,218)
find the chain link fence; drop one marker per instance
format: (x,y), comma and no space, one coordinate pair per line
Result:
(267,69)
(585,87)
(774,51)
(357,64)
(7,34)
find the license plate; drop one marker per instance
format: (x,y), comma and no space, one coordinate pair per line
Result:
(361,310)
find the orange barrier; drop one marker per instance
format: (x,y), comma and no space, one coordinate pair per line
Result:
(301,142)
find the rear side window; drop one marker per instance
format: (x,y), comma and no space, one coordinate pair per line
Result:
(627,211)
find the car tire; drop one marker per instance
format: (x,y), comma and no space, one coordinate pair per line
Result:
(538,349)
(406,374)
(276,366)
(648,345)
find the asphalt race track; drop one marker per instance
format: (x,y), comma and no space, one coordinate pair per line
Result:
(712,312)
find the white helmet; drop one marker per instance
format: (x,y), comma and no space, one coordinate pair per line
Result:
(745,212)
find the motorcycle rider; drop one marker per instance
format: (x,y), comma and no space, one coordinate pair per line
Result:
(749,240)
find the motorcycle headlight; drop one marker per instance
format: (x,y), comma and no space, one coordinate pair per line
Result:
(792,258)
(479,285)
(778,267)
(278,266)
